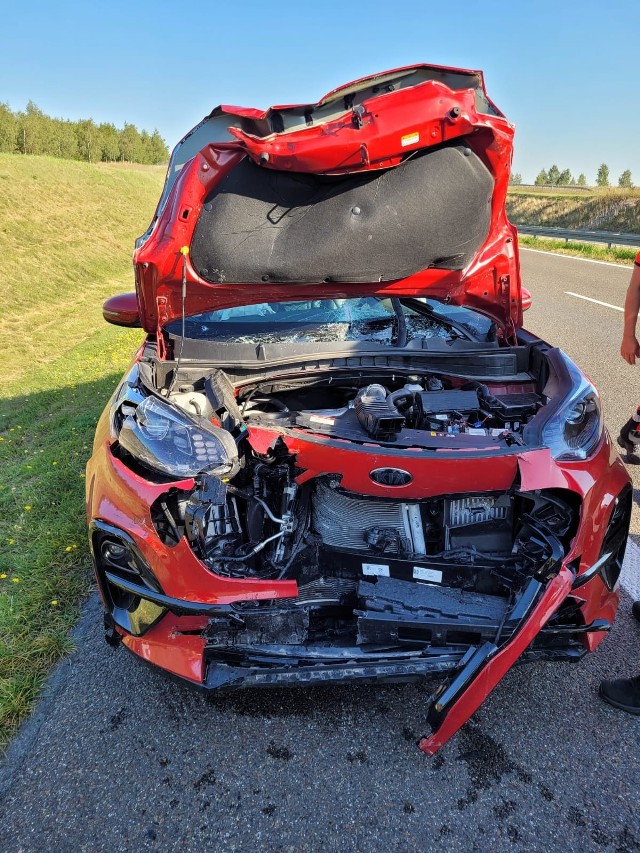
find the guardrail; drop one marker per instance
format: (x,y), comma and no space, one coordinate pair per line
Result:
(611,238)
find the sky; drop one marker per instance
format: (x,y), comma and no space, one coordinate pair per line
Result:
(566,73)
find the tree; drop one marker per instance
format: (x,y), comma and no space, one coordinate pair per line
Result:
(159,151)
(130,143)
(109,142)
(8,129)
(564,178)
(34,132)
(31,135)
(515,179)
(542,178)
(553,176)
(582,180)
(625,179)
(64,140)
(602,179)
(88,140)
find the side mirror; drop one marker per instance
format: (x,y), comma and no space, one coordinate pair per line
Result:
(122,310)
(526,298)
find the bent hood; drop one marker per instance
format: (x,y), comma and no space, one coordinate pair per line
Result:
(392,185)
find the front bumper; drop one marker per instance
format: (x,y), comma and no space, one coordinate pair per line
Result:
(182,599)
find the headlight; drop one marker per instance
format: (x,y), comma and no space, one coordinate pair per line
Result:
(165,439)
(574,429)
(127,396)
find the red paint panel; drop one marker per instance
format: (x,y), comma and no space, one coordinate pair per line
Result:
(163,645)
(122,310)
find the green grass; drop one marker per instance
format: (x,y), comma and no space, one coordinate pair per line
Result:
(66,236)
(616,254)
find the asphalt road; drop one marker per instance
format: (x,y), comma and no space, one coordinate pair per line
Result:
(118,758)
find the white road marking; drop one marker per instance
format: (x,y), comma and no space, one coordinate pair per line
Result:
(577,258)
(597,301)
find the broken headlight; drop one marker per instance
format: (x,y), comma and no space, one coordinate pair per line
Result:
(165,439)
(575,429)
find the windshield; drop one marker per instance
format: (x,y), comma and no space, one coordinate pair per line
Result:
(368,318)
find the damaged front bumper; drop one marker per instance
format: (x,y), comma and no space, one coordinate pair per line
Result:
(394,612)
(160,604)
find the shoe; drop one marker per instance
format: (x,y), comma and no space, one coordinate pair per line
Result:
(635,610)
(629,456)
(623,693)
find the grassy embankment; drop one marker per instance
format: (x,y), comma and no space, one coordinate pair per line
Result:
(597,209)
(66,235)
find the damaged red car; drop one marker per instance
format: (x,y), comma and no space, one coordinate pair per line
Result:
(337,455)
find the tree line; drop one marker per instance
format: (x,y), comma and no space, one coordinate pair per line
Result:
(34,132)
(564,178)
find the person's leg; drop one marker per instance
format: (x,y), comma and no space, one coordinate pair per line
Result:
(629,438)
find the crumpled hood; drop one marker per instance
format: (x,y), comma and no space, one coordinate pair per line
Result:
(392,185)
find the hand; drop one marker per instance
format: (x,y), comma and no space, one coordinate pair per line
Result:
(630,349)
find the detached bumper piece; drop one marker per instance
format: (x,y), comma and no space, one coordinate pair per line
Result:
(484,666)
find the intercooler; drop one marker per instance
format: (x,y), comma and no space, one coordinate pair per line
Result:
(351,521)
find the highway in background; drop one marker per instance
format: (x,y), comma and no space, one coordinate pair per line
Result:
(118,758)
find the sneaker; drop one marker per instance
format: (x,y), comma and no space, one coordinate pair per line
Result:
(623,693)
(629,456)
(635,610)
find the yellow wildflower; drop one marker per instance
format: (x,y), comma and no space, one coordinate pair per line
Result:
(27,506)
(15,580)
(54,601)
(3,575)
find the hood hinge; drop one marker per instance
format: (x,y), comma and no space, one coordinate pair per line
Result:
(162,318)
(504,283)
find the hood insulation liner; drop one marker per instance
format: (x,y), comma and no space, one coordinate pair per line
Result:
(258,225)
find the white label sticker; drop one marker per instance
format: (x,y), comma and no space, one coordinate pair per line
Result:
(318,419)
(374,569)
(432,575)
(476,431)
(409,139)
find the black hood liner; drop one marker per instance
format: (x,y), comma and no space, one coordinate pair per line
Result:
(258,224)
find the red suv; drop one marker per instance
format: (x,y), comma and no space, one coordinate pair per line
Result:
(337,454)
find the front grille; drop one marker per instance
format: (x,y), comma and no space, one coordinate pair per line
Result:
(325,591)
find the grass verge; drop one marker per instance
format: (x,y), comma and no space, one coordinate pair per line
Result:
(66,233)
(46,432)
(616,254)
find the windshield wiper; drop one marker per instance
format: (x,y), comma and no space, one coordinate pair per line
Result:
(402,337)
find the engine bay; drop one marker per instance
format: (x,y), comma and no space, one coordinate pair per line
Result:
(372,568)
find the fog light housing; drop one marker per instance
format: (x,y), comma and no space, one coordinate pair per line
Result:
(115,552)
(615,539)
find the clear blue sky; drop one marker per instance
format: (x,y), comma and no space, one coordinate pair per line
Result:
(566,73)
